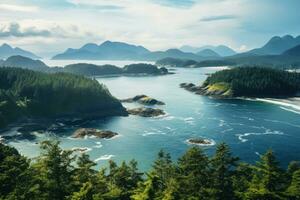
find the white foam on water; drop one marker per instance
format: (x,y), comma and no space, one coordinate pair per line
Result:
(153,133)
(227,130)
(290,110)
(242,137)
(98,145)
(104,157)
(286,123)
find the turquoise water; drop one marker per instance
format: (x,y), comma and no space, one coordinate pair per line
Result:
(249,127)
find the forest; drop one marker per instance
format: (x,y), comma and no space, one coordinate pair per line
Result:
(257,81)
(25,93)
(60,174)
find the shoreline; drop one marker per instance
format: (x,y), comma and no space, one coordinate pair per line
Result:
(292,102)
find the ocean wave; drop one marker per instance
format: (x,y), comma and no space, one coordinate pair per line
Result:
(281,122)
(242,137)
(290,110)
(153,133)
(98,145)
(104,157)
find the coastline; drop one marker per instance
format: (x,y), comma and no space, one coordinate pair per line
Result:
(292,102)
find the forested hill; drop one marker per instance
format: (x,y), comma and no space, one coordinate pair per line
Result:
(25,93)
(58,175)
(254,82)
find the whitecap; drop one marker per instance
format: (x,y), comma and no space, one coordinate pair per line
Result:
(98,145)
(104,157)
(153,133)
(242,137)
(290,110)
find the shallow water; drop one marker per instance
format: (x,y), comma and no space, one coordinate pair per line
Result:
(249,127)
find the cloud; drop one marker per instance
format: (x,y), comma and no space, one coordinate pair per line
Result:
(175,3)
(19,8)
(14,30)
(217,18)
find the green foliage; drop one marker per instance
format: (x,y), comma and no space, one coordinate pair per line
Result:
(28,93)
(257,81)
(59,174)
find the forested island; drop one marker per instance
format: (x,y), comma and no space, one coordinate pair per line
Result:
(29,94)
(249,82)
(60,174)
(139,69)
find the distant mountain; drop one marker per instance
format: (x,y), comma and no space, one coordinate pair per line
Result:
(24,62)
(107,50)
(208,53)
(7,51)
(295,51)
(122,51)
(276,45)
(222,50)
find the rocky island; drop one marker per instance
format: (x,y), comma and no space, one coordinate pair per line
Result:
(248,82)
(103,134)
(200,141)
(143,99)
(146,112)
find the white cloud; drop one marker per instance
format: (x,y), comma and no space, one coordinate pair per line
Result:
(20,8)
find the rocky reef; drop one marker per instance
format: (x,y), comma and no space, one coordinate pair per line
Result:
(83,132)
(146,112)
(201,141)
(143,99)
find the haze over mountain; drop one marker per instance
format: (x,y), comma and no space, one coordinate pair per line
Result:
(208,53)
(7,51)
(222,50)
(276,45)
(122,51)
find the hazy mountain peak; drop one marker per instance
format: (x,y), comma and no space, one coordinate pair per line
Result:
(6,51)
(208,53)
(222,50)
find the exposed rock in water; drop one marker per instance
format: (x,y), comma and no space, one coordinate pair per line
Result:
(82,132)
(146,112)
(143,99)
(200,141)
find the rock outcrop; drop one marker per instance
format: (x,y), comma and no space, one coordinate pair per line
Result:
(146,112)
(83,132)
(143,99)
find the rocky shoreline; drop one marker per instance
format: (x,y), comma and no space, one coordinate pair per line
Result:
(146,112)
(200,141)
(89,132)
(143,99)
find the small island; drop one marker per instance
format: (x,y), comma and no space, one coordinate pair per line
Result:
(252,82)
(143,99)
(26,94)
(88,132)
(146,112)
(200,141)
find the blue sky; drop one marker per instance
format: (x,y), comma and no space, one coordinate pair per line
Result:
(50,26)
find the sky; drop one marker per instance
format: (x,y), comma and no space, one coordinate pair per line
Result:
(48,27)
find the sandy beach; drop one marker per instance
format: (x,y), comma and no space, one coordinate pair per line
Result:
(293,102)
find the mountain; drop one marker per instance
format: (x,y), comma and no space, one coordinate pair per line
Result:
(276,45)
(24,62)
(295,51)
(107,50)
(122,51)
(207,53)
(7,51)
(222,50)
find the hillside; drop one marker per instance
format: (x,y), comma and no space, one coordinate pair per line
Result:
(208,53)
(221,50)
(25,93)
(24,62)
(251,82)
(295,51)
(7,51)
(276,45)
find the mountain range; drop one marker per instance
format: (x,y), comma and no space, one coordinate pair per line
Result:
(109,50)
(7,51)
(221,50)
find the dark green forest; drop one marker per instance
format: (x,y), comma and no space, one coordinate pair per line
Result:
(257,81)
(60,174)
(25,93)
